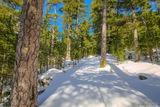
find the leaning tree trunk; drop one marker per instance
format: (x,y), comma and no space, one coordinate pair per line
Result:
(137,52)
(24,89)
(103,46)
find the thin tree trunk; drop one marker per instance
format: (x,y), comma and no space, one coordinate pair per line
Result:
(1,85)
(109,39)
(53,33)
(44,66)
(68,57)
(157,53)
(156,47)
(76,53)
(68,54)
(103,46)
(52,44)
(2,77)
(48,64)
(137,52)
(40,71)
(24,89)
(151,54)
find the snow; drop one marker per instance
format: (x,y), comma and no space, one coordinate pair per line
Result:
(116,85)
(141,67)
(50,73)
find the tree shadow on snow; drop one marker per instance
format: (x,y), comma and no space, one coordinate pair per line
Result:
(96,89)
(150,89)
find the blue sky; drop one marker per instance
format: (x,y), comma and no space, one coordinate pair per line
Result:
(59,22)
(88,2)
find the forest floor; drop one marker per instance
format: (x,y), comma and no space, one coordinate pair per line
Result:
(116,85)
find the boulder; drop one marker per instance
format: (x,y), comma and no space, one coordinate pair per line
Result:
(141,77)
(40,91)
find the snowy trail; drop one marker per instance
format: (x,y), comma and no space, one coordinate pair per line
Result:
(58,80)
(87,85)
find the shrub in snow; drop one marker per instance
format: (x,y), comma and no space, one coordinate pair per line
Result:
(143,104)
(7,93)
(45,81)
(6,101)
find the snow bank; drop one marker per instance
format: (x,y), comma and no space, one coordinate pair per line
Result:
(140,67)
(50,73)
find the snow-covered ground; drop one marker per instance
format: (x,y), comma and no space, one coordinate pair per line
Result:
(116,85)
(141,67)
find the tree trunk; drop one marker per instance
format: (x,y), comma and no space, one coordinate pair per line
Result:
(24,89)
(52,45)
(68,57)
(137,52)
(53,34)
(40,71)
(109,39)
(103,46)
(1,86)
(2,78)
(48,64)
(68,54)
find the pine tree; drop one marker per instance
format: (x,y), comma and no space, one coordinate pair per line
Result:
(24,89)
(86,41)
(67,17)
(9,16)
(149,29)
(96,22)
(73,11)
(44,53)
(133,5)
(103,46)
(53,5)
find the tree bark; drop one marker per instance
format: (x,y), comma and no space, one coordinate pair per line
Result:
(52,45)
(40,71)
(2,78)
(68,54)
(137,53)
(103,46)
(1,86)
(24,89)
(68,57)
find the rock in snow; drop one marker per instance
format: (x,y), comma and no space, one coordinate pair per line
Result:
(141,77)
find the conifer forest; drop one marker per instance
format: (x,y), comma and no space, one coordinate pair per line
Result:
(37,36)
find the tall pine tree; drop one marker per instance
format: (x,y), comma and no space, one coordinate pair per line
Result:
(103,46)
(24,89)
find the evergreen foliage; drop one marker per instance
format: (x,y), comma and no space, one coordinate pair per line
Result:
(121,26)
(9,24)
(124,20)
